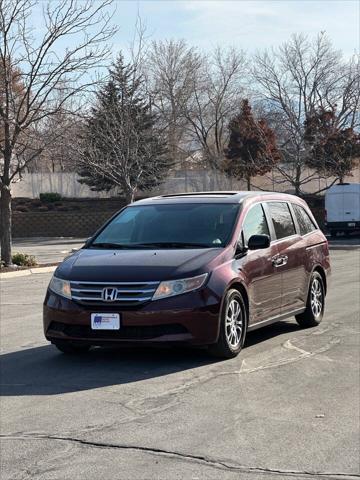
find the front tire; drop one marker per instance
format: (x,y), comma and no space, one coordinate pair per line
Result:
(233,325)
(315,304)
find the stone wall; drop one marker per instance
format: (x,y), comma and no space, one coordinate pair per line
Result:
(58,224)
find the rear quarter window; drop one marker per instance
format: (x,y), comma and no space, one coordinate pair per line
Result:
(306,225)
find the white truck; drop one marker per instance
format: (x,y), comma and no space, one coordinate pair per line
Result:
(342,208)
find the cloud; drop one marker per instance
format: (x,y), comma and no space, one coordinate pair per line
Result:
(258,24)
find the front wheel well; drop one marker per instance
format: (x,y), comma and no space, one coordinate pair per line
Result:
(240,287)
(321,271)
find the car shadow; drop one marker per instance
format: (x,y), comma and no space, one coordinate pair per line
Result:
(45,371)
(271,331)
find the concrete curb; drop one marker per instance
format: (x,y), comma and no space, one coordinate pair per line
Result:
(30,271)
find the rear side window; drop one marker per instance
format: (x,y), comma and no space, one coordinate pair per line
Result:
(255,223)
(306,225)
(282,219)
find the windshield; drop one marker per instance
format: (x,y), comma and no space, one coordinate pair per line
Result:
(169,226)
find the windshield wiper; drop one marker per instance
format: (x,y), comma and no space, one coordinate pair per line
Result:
(151,245)
(108,245)
(172,245)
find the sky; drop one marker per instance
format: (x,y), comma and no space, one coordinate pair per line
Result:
(247,24)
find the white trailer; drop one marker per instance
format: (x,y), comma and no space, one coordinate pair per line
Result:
(342,206)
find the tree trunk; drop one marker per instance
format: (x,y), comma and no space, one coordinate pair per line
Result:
(341,180)
(297,182)
(212,181)
(129,196)
(186,180)
(248,182)
(5,224)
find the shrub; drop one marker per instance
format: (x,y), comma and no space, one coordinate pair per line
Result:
(50,197)
(21,208)
(24,260)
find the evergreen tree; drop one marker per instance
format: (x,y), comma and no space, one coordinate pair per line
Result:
(252,146)
(120,144)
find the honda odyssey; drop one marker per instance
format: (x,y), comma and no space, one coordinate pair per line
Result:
(195,268)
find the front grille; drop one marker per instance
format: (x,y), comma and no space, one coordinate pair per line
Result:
(125,333)
(116,293)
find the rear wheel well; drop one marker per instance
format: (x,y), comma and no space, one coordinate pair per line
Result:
(320,270)
(240,288)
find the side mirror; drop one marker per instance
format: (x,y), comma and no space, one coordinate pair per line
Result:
(257,242)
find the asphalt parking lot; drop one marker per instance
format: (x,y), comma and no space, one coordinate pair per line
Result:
(287,407)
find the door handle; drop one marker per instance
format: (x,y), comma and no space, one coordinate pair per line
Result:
(276,260)
(279,260)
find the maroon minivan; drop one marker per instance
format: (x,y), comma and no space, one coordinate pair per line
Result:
(197,268)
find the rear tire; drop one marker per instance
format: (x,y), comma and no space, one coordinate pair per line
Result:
(71,349)
(315,304)
(233,325)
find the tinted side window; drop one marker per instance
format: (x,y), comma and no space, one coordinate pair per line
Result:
(282,220)
(305,223)
(255,223)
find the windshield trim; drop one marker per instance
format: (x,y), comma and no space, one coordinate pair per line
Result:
(90,242)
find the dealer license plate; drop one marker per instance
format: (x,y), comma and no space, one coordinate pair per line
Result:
(105,321)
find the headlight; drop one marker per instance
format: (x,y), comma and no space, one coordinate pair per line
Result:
(177,287)
(61,287)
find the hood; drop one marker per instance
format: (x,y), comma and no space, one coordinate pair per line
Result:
(136,265)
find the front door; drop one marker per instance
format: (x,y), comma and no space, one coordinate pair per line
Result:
(258,266)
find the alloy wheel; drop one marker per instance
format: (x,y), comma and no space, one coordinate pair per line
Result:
(316,298)
(234,323)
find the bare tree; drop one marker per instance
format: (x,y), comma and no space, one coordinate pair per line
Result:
(173,66)
(296,79)
(41,66)
(55,136)
(216,92)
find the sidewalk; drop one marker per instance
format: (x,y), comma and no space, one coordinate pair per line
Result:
(47,249)
(340,243)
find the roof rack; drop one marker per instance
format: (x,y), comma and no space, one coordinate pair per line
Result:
(192,194)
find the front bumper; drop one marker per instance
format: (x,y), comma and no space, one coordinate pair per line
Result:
(192,318)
